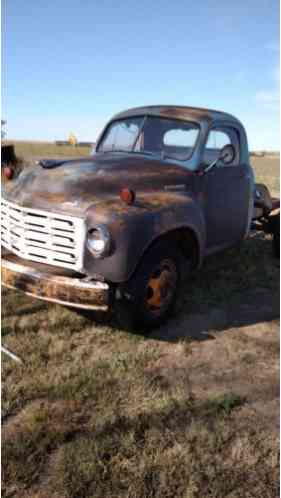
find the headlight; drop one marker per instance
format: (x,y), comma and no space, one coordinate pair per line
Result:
(99,241)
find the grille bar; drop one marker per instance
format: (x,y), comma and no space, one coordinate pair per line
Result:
(43,236)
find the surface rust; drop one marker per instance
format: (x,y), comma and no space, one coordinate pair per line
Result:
(71,291)
(75,185)
(176,112)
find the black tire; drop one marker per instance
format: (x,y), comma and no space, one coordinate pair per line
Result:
(276,236)
(141,303)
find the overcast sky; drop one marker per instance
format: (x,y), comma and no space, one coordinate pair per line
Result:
(70,65)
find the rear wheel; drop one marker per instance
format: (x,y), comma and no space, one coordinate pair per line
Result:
(150,296)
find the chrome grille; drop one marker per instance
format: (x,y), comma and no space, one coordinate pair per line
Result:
(43,236)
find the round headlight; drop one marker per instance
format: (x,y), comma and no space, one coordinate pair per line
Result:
(99,241)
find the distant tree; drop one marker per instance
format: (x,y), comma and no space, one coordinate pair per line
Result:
(72,139)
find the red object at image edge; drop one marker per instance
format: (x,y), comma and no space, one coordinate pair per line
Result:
(8,172)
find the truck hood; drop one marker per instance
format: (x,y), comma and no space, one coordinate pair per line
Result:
(72,186)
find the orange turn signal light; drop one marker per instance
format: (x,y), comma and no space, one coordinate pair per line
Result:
(128,196)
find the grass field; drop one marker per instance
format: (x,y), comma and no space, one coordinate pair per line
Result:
(188,411)
(29,150)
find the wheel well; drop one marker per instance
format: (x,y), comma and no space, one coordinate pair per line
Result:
(186,240)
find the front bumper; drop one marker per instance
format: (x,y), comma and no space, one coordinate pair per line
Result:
(41,283)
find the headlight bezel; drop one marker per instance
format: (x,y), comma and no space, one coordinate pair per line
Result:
(105,237)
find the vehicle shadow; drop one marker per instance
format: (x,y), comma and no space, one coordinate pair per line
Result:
(203,326)
(250,298)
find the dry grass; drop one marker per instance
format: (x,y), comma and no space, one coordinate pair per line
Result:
(29,150)
(189,411)
(268,172)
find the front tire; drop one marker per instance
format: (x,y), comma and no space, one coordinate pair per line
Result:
(151,294)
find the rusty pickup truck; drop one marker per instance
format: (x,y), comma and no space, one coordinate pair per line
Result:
(165,187)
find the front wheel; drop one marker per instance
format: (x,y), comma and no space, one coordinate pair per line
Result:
(150,296)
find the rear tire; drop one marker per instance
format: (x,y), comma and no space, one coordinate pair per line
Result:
(150,296)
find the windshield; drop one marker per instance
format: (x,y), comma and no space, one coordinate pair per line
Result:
(169,138)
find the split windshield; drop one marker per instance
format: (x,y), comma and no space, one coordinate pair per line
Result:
(167,138)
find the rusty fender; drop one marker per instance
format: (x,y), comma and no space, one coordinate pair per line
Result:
(66,290)
(134,228)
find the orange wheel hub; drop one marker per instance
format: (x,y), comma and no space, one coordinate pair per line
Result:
(161,286)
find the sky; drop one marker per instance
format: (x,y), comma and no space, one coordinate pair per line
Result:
(68,66)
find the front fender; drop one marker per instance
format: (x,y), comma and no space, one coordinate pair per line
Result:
(134,228)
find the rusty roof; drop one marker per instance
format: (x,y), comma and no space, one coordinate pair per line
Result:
(177,112)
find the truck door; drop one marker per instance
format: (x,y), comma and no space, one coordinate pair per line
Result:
(226,191)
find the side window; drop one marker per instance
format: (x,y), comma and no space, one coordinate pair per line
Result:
(217,139)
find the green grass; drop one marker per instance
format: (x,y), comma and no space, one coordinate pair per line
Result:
(188,411)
